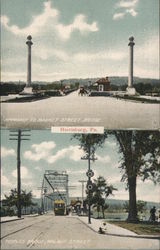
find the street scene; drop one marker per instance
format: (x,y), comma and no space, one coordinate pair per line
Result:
(73,110)
(70,232)
(67,190)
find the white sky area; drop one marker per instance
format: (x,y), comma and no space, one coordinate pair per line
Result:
(79,39)
(57,152)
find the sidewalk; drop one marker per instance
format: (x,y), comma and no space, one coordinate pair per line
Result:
(10,218)
(14,218)
(111,229)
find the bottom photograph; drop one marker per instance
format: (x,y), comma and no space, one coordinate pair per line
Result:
(80,191)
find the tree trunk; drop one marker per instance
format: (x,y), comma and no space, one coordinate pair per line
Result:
(98,211)
(132,216)
(103,212)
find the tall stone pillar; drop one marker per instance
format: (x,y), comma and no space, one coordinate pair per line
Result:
(131,90)
(28,89)
(29,43)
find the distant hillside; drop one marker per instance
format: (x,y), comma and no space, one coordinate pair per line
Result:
(121,202)
(111,202)
(115,80)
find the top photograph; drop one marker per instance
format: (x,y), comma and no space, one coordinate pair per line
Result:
(80,63)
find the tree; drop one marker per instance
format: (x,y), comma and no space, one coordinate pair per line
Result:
(101,190)
(140,152)
(92,141)
(140,157)
(141,206)
(26,199)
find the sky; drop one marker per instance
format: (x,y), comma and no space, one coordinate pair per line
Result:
(58,152)
(79,38)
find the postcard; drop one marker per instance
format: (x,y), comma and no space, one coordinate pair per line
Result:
(80,124)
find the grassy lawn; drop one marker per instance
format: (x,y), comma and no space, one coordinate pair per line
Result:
(145,228)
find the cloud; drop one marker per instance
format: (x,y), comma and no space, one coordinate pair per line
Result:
(147,52)
(76,171)
(45,53)
(72,152)
(76,153)
(38,168)
(36,193)
(114,55)
(37,24)
(59,155)
(48,21)
(145,191)
(24,173)
(40,151)
(105,159)
(110,144)
(27,184)
(79,24)
(7,152)
(119,15)
(132,12)
(116,165)
(114,179)
(5,182)
(127,7)
(43,151)
(80,171)
(126,4)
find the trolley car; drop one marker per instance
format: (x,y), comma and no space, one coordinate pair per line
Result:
(59,207)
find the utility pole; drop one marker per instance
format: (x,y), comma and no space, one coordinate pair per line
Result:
(19,135)
(89,183)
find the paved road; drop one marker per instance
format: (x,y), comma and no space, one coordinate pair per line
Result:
(87,111)
(58,232)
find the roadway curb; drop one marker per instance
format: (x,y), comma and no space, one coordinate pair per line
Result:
(88,225)
(10,220)
(153,237)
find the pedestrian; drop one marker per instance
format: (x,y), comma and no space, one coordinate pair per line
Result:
(153,213)
(101,231)
(159,215)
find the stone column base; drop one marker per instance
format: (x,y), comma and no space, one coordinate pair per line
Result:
(27,91)
(131,91)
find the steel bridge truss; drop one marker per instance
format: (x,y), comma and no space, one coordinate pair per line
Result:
(54,187)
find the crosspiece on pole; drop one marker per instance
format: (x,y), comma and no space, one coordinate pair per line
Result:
(18,137)
(21,135)
(12,139)
(22,130)
(92,159)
